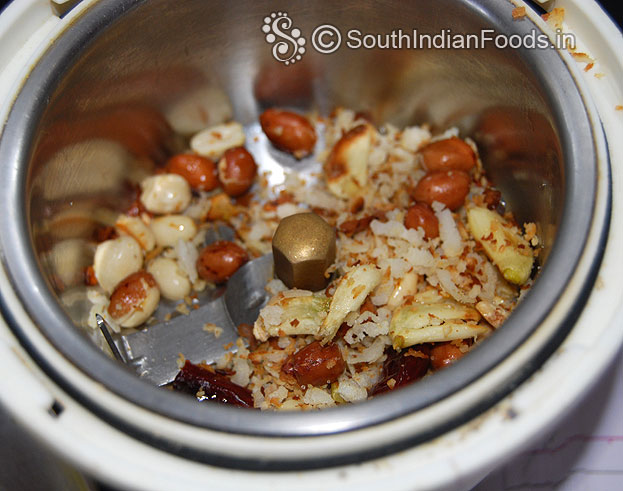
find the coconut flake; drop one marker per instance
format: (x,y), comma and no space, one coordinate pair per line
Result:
(448,231)
(243,370)
(317,397)
(349,390)
(445,279)
(414,137)
(187,256)
(370,354)
(420,257)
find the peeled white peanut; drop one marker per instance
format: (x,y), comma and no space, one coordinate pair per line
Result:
(116,259)
(170,278)
(168,229)
(134,300)
(165,193)
(137,229)
(212,142)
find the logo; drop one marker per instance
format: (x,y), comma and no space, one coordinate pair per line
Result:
(288,48)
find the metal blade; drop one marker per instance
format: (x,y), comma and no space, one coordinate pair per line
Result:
(155,350)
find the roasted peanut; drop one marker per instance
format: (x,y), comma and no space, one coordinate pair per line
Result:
(450,154)
(137,229)
(444,354)
(236,171)
(134,299)
(289,131)
(170,278)
(168,229)
(218,261)
(421,215)
(212,142)
(115,259)
(447,187)
(315,364)
(165,193)
(200,172)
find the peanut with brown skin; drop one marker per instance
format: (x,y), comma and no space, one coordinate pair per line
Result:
(315,364)
(444,354)
(289,131)
(200,172)
(218,261)
(420,215)
(447,187)
(450,154)
(236,171)
(129,293)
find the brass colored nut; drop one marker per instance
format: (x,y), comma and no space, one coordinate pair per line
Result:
(303,249)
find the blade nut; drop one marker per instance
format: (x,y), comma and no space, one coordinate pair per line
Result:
(303,249)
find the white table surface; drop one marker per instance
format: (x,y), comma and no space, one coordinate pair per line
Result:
(584,452)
